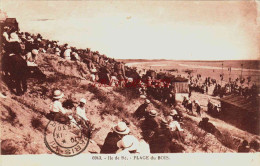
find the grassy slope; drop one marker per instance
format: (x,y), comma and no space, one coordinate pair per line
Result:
(23,120)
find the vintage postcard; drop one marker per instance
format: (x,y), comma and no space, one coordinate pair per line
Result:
(130,82)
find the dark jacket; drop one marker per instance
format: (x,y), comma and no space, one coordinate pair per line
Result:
(150,123)
(243,149)
(110,144)
(161,141)
(189,107)
(140,112)
(207,126)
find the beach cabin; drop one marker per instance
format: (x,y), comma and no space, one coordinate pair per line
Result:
(181,88)
(151,74)
(242,112)
(11,22)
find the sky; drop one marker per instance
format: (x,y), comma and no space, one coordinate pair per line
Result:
(179,30)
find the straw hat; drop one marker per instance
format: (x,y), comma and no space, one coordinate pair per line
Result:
(173,112)
(57,94)
(57,49)
(23,36)
(121,128)
(169,118)
(128,142)
(35,52)
(83,101)
(164,122)
(153,113)
(29,38)
(143,96)
(147,101)
(6,27)
(196,101)
(130,79)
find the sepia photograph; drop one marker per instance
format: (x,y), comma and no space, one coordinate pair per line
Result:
(129,81)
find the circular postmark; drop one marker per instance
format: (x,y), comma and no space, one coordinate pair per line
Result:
(66,139)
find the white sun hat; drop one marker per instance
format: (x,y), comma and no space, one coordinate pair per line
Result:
(153,113)
(147,101)
(57,94)
(173,112)
(121,128)
(35,51)
(83,101)
(143,96)
(128,142)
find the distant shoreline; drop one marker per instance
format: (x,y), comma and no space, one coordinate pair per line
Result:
(253,65)
(156,60)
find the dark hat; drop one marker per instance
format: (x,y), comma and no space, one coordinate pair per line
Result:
(205,119)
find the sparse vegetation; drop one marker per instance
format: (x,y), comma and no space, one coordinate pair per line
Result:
(9,116)
(8,147)
(37,124)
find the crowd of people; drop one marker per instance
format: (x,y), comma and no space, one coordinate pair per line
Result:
(236,87)
(189,105)
(158,133)
(19,50)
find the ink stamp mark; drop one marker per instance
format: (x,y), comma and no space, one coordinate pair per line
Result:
(66,139)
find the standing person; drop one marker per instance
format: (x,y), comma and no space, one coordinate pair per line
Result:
(185,101)
(57,51)
(14,63)
(216,110)
(141,110)
(210,106)
(113,80)
(189,107)
(57,112)
(110,144)
(120,70)
(198,108)
(67,53)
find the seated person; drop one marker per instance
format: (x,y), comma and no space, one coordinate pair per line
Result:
(81,112)
(57,112)
(110,144)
